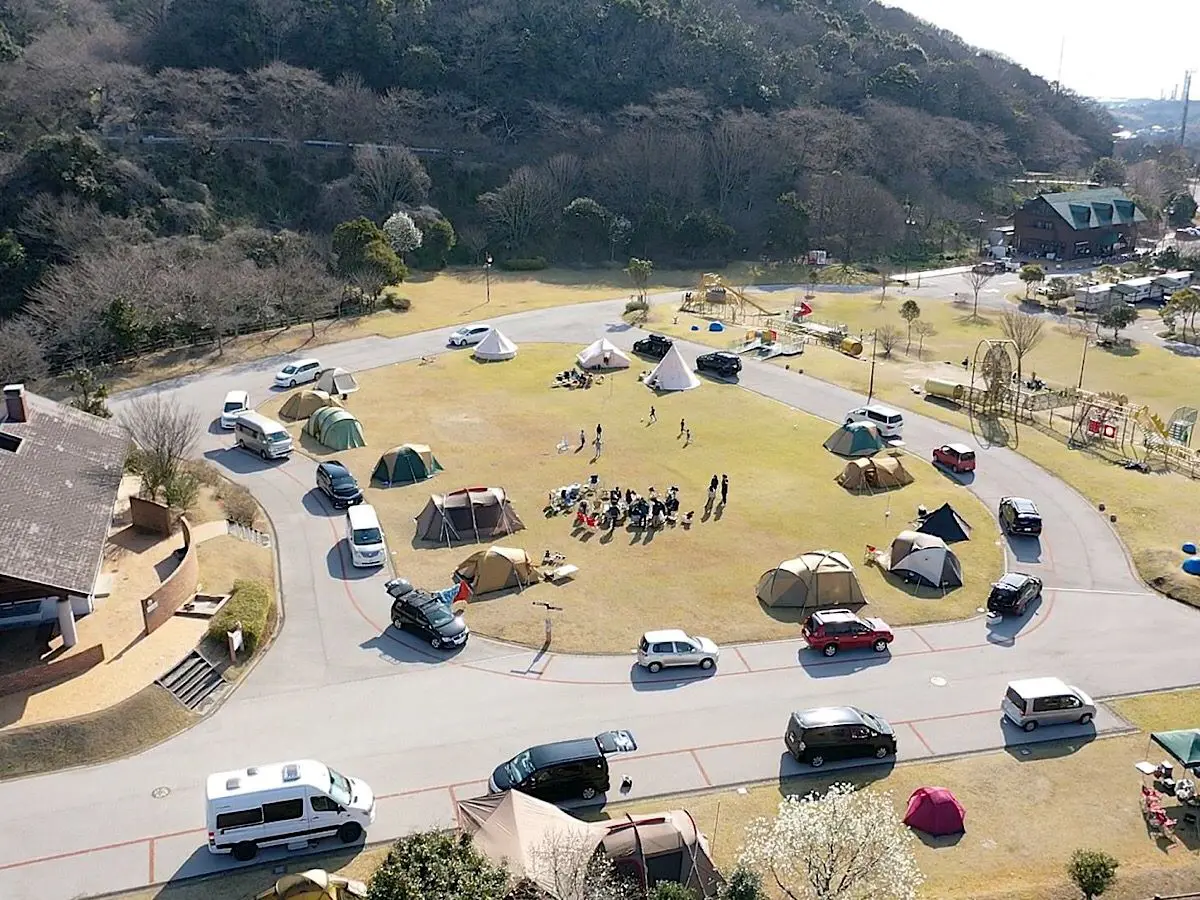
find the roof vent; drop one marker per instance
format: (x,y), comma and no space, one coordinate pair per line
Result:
(233,784)
(253,770)
(291,772)
(15,406)
(9,442)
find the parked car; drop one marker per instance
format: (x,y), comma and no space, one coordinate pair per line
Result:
(563,770)
(364,535)
(255,432)
(298,371)
(468,335)
(655,346)
(955,457)
(817,735)
(424,614)
(831,630)
(722,362)
(675,648)
(1031,702)
(335,482)
(890,422)
(236,403)
(1019,515)
(1013,593)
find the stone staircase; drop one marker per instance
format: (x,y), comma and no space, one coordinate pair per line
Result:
(241,532)
(194,681)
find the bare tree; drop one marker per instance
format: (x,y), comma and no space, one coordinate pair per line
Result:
(733,150)
(20,354)
(1024,330)
(387,178)
(888,336)
(573,865)
(977,281)
(301,290)
(164,436)
(564,173)
(520,209)
(923,330)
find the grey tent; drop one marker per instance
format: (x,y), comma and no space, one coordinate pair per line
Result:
(471,514)
(946,523)
(337,382)
(924,558)
(855,439)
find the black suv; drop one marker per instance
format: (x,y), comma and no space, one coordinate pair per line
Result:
(722,362)
(563,770)
(1013,593)
(424,614)
(335,482)
(655,346)
(1020,516)
(815,736)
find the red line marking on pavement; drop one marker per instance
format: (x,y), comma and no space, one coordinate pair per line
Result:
(921,638)
(921,738)
(70,854)
(700,766)
(150,845)
(738,653)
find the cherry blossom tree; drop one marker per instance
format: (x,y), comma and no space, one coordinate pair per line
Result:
(844,844)
(402,232)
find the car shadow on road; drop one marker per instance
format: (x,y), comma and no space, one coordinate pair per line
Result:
(1025,549)
(799,779)
(1046,741)
(214,427)
(334,856)
(337,562)
(668,679)
(964,478)
(1004,630)
(239,461)
(818,665)
(398,648)
(314,503)
(717,379)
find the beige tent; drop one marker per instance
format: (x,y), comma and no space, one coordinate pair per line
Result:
(495,347)
(495,569)
(661,847)
(315,884)
(820,579)
(303,404)
(471,514)
(337,381)
(879,474)
(526,835)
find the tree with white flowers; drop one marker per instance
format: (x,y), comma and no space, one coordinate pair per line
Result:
(844,844)
(402,232)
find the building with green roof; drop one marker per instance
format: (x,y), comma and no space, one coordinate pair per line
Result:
(1077,224)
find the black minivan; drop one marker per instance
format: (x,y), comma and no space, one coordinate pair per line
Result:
(564,770)
(815,736)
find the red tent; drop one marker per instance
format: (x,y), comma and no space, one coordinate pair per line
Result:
(935,811)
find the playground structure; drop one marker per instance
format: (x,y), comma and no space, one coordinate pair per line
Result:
(767,343)
(714,298)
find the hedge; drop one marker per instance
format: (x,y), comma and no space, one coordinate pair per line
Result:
(530,264)
(249,604)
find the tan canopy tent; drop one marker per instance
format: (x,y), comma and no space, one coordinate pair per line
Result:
(526,834)
(662,847)
(820,579)
(337,381)
(471,514)
(874,474)
(924,558)
(495,569)
(315,884)
(303,404)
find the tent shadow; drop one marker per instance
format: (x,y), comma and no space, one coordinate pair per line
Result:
(818,665)
(915,589)
(1003,631)
(314,447)
(798,779)
(937,842)
(1025,549)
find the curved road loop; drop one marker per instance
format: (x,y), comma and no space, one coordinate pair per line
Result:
(424,730)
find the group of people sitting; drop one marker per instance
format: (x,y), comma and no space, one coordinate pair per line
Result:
(573,378)
(615,506)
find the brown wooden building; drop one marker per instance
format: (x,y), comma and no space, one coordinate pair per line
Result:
(1077,224)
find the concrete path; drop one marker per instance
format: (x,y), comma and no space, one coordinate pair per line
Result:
(341,686)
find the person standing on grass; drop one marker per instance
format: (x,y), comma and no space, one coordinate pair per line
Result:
(724,489)
(682,427)
(653,416)
(688,437)
(712,494)
(582,439)
(599,432)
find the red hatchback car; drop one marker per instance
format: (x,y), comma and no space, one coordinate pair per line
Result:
(831,630)
(956,457)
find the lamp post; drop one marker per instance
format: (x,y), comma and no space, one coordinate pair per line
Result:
(980,222)
(487,277)
(871,385)
(1083,360)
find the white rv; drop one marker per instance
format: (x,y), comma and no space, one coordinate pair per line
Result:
(284,803)
(1093,298)
(1137,290)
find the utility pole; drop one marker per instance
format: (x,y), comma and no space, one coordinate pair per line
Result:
(871,386)
(1187,89)
(487,278)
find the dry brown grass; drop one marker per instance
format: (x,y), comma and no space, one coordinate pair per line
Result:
(1154,512)
(226,559)
(499,425)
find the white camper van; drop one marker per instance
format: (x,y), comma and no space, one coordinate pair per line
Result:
(284,803)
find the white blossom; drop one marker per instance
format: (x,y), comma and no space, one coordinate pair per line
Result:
(402,233)
(844,844)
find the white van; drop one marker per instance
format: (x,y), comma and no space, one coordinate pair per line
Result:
(236,403)
(1046,701)
(365,536)
(889,421)
(284,803)
(266,437)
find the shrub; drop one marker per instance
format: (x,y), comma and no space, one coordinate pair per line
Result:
(637,309)
(669,890)
(1093,872)
(240,505)
(205,473)
(180,492)
(743,884)
(250,604)
(523,264)
(399,303)
(436,864)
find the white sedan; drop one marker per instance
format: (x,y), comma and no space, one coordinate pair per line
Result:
(676,648)
(468,335)
(298,371)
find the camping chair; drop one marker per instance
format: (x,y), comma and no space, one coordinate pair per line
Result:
(563,446)
(591,521)
(580,518)
(560,574)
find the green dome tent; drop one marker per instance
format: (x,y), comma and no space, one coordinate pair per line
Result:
(406,464)
(335,428)
(855,439)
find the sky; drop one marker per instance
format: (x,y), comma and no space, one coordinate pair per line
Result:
(1114,49)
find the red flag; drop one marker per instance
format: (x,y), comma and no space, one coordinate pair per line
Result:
(464,592)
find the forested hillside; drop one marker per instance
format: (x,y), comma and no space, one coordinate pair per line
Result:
(155,182)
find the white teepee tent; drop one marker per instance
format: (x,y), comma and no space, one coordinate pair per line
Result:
(602,354)
(495,346)
(673,374)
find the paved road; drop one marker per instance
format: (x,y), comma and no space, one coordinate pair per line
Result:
(423,730)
